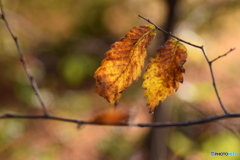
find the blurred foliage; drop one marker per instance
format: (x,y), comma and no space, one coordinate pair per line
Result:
(115,147)
(180,144)
(222,142)
(64,42)
(75,69)
(183,146)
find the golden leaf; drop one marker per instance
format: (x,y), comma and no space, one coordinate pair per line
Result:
(123,63)
(164,72)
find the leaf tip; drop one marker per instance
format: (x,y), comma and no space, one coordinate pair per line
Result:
(151,111)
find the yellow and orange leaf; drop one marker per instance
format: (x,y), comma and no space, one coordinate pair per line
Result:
(123,63)
(164,72)
(111,116)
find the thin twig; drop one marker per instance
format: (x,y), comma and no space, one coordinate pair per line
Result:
(206,57)
(214,81)
(225,54)
(23,61)
(169,33)
(156,124)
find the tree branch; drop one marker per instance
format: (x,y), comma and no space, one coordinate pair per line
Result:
(206,57)
(214,81)
(23,61)
(160,125)
(46,116)
(169,33)
(225,54)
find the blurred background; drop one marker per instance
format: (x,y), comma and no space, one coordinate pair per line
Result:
(64,43)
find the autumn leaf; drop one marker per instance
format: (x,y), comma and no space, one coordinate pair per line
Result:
(123,63)
(164,72)
(111,116)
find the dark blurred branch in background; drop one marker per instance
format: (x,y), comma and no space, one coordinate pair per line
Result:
(158,137)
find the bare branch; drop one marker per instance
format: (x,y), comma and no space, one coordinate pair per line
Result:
(169,33)
(225,54)
(160,125)
(206,57)
(23,61)
(214,81)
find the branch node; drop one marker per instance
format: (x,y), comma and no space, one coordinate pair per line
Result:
(21,59)
(31,78)
(79,125)
(8,115)
(47,115)
(15,38)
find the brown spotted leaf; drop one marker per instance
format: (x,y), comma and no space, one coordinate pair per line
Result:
(164,72)
(123,63)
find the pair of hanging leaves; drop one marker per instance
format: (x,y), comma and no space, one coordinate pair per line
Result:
(125,60)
